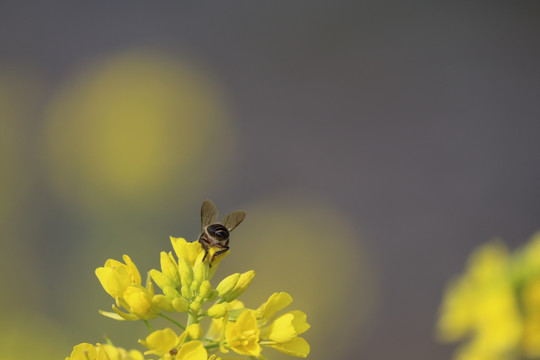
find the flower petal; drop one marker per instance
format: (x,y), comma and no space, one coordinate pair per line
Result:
(298,347)
(192,350)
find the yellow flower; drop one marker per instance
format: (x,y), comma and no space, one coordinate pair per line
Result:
(116,277)
(116,353)
(87,351)
(192,350)
(286,327)
(161,342)
(216,327)
(531,326)
(242,336)
(275,303)
(139,302)
(283,333)
(188,251)
(169,277)
(123,283)
(167,345)
(483,304)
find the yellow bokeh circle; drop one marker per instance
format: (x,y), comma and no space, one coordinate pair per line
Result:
(137,128)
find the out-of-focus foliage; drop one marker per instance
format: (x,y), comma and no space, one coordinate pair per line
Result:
(28,335)
(20,92)
(496,304)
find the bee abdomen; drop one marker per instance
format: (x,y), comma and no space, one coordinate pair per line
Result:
(218,231)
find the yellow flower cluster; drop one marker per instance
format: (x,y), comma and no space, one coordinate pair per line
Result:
(495,304)
(185,284)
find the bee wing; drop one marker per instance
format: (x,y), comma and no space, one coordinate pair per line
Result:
(209,213)
(234,219)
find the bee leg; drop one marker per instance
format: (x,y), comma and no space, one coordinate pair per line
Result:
(225,248)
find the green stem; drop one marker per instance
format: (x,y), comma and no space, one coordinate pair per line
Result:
(173,321)
(108,340)
(224,324)
(192,319)
(207,339)
(211,346)
(147,323)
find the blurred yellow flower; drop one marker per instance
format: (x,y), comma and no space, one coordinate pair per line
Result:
(116,353)
(87,351)
(496,303)
(124,127)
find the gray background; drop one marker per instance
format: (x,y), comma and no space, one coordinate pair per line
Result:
(419,120)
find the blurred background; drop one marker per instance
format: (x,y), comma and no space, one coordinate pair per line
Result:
(373,145)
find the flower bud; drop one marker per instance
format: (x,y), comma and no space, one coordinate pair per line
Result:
(163,302)
(195,306)
(161,280)
(213,294)
(186,292)
(227,284)
(195,285)
(169,268)
(205,289)
(243,283)
(171,293)
(180,304)
(217,311)
(200,271)
(194,331)
(140,303)
(186,272)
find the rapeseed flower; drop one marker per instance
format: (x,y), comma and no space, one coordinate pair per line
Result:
(242,336)
(495,303)
(116,277)
(283,333)
(185,280)
(167,345)
(123,283)
(247,331)
(87,351)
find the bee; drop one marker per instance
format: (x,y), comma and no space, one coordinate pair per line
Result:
(214,237)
